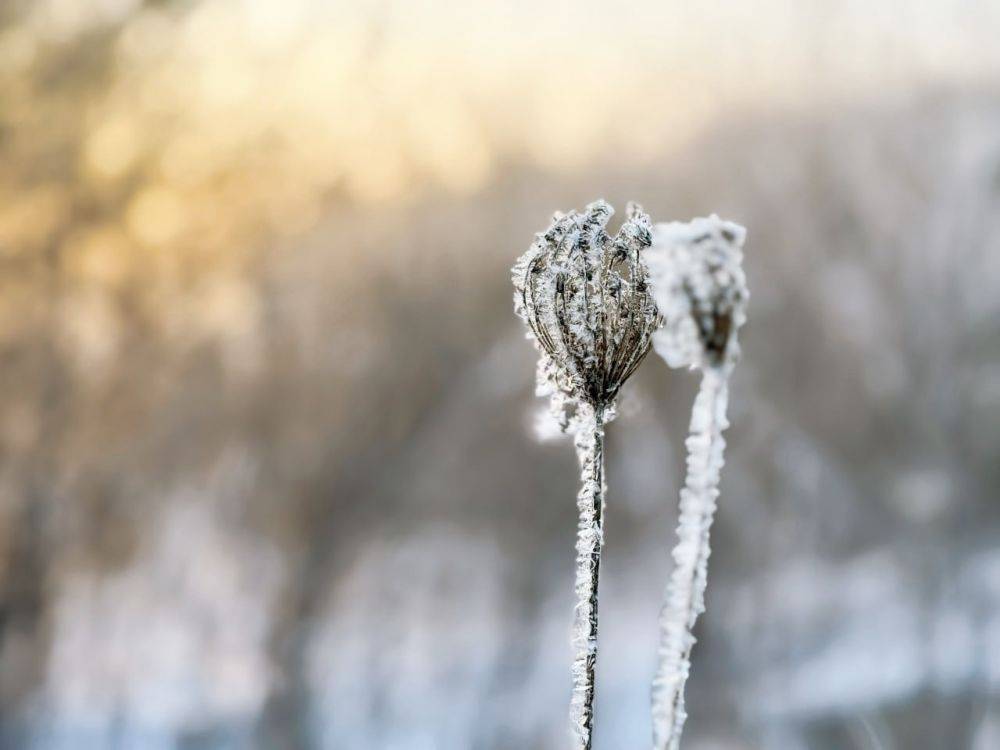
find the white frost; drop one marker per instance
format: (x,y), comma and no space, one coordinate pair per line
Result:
(589,443)
(685,597)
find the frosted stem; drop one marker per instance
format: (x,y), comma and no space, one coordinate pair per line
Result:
(685,595)
(590,540)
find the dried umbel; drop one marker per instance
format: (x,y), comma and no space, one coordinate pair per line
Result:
(700,290)
(585,299)
(697,278)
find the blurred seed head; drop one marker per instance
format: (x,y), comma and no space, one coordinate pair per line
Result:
(700,289)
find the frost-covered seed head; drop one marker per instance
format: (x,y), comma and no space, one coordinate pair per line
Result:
(700,289)
(585,299)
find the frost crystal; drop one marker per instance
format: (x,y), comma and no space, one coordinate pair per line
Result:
(585,299)
(589,441)
(700,289)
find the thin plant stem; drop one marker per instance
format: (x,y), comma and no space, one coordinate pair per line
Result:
(590,541)
(685,596)
(586,301)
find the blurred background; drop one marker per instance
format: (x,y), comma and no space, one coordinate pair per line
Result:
(268,477)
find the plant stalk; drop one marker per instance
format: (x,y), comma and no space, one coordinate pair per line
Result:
(685,595)
(590,541)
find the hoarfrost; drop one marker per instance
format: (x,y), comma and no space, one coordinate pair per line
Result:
(589,443)
(701,293)
(685,598)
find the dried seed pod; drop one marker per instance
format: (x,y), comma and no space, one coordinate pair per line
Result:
(585,299)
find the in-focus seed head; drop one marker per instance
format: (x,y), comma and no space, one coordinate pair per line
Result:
(697,278)
(586,301)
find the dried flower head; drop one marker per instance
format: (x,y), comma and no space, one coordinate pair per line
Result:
(700,290)
(585,299)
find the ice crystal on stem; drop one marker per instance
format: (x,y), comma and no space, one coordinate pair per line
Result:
(698,282)
(585,299)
